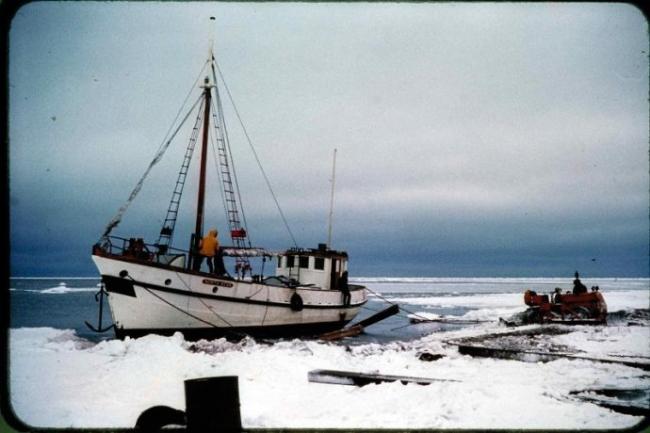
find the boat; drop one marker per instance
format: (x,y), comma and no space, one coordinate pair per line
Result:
(155,287)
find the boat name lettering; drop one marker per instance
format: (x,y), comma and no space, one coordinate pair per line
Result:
(217,283)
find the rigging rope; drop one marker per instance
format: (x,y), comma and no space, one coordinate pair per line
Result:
(159,154)
(169,223)
(232,162)
(118,217)
(393,303)
(250,143)
(228,331)
(221,185)
(419,316)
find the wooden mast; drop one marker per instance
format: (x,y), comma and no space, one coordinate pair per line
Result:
(200,202)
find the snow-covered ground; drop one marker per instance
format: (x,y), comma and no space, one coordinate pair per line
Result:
(493,305)
(59,379)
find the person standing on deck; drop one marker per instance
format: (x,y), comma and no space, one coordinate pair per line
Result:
(208,247)
(219,267)
(343,286)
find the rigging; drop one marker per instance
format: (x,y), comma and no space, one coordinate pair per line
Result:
(230,192)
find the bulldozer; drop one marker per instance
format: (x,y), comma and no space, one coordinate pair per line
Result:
(568,308)
(578,307)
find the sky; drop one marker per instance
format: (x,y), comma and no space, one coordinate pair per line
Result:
(506,139)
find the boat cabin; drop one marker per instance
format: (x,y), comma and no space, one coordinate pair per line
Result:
(321,267)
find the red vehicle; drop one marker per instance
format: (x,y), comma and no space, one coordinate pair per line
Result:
(573,308)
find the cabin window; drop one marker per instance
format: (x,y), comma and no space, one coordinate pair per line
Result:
(303,262)
(319,263)
(290,261)
(279,262)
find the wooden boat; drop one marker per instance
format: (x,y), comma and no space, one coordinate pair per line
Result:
(157,288)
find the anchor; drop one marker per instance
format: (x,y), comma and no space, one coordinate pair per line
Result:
(99,329)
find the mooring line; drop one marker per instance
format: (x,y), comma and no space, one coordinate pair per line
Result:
(394,303)
(189,288)
(225,329)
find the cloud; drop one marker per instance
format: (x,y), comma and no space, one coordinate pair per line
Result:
(460,129)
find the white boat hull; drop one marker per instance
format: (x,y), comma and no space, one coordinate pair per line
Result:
(148,298)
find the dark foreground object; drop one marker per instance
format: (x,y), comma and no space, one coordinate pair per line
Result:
(429,357)
(337,377)
(157,417)
(211,406)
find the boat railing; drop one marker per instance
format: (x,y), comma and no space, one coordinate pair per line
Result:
(137,248)
(353,287)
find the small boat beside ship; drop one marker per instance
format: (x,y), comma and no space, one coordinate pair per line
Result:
(153,287)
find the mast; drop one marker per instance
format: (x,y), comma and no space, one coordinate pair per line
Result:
(198,231)
(329,228)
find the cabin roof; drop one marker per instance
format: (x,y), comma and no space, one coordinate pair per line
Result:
(315,252)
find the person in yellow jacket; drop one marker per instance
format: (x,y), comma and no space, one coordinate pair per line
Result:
(209,247)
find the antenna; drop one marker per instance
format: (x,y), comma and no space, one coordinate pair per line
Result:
(329,229)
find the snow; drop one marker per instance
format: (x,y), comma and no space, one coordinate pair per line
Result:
(384,284)
(490,307)
(59,379)
(554,280)
(630,342)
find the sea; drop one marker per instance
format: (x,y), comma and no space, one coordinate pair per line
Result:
(68,302)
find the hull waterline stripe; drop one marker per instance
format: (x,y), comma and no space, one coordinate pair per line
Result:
(302,329)
(237,300)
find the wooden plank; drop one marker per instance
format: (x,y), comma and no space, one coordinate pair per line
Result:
(358,328)
(342,333)
(507,353)
(338,377)
(393,309)
(417,320)
(627,401)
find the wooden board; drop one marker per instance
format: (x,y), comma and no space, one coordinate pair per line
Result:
(358,328)
(342,333)
(338,377)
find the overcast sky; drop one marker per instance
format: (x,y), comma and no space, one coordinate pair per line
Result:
(473,139)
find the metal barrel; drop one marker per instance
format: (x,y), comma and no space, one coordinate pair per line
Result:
(212,405)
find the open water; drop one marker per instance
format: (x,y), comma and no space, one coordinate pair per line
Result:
(65,303)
